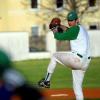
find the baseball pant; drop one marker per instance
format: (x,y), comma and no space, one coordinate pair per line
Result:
(78,66)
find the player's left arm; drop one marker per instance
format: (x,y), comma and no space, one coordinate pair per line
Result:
(69,34)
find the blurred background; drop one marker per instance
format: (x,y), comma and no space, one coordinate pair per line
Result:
(25,35)
(24,24)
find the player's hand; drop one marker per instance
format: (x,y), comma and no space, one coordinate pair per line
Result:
(54,30)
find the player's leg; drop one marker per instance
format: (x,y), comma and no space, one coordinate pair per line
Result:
(45,82)
(78,76)
(65,58)
(69,59)
(56,57)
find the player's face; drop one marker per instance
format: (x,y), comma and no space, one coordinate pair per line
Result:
(72,23)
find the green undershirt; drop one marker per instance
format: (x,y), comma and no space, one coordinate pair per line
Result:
(69,34)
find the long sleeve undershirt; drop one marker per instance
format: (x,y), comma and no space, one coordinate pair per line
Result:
(69,34)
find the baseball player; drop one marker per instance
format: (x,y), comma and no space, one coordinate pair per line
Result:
(13,85)
(77,59)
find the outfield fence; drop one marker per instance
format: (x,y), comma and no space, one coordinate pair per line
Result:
(17,44)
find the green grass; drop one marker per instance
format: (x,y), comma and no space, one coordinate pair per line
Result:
(34,70)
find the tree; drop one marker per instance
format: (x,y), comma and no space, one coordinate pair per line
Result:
(80,6)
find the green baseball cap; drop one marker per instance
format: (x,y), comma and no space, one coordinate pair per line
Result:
(5,62)
(72,16)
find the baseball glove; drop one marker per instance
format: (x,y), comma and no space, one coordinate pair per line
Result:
(55,24)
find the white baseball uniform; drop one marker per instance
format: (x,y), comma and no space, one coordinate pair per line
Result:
(77,59)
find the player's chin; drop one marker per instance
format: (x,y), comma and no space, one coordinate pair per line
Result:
(71,24)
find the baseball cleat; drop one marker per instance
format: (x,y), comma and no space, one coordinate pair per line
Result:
(44,84)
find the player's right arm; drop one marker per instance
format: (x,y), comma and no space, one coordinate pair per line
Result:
(69,34)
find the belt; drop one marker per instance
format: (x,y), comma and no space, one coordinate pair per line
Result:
(82,56)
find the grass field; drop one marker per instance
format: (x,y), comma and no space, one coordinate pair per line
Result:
(34,70)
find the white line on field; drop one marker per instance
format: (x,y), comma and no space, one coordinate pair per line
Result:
(58,95)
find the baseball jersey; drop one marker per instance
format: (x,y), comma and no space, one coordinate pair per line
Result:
(79,39)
